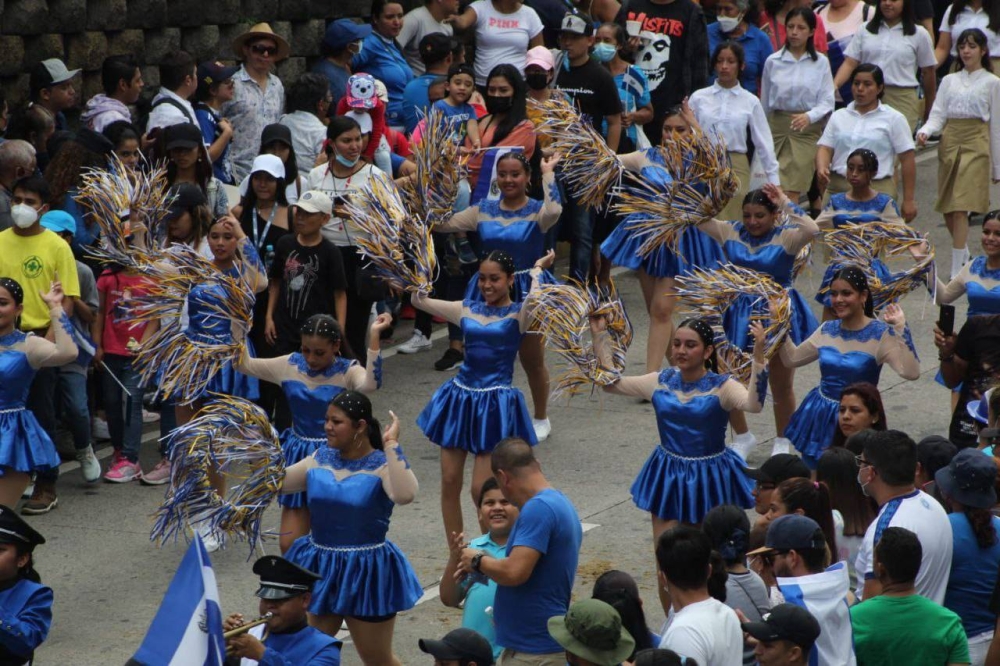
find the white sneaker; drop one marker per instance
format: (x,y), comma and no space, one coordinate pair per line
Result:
(208,538)
(418,342)
(744,444)
(99,428)
(150,417)
(781,445)
(543,428)
(89,466)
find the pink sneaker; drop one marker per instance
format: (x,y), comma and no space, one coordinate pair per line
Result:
(123,471)
(158,475)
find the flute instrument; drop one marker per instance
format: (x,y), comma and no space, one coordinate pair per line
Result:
(247,626)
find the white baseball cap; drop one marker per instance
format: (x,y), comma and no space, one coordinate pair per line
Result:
(315,201)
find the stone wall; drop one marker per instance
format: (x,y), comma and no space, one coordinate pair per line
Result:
(84,32)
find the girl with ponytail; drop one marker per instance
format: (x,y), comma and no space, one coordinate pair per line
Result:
(851,348)
(310,378)
(353,484)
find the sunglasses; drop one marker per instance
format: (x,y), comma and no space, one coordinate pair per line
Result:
(260,49)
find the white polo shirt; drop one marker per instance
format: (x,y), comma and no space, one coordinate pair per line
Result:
(923,515)
(883,130)
(899,55)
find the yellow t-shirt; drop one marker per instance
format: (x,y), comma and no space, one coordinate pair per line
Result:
(33,262)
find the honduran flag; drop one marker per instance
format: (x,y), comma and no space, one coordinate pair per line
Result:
(187,629)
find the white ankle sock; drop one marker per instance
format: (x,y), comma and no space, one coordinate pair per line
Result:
(781,445)
(744,443)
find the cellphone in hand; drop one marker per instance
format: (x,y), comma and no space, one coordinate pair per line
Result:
(946,319)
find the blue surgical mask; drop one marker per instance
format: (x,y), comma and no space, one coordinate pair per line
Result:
(604,52)
(344,161)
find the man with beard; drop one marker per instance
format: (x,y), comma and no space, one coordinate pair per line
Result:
(795,555)
(496,517)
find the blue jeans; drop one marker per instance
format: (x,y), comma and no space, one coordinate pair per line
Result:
(42,403)
(72,388)
(124,412)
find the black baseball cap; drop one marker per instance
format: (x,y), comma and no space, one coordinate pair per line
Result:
(780,468)
(459,644)
(786,622)
(185,197)
(276,132)
(435,47)
(182,135)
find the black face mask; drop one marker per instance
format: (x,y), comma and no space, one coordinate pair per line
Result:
(496,104)
(537,80)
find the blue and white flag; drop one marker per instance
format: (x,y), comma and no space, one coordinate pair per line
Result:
(486,185)
(187,630)
(824,595)
(84,344)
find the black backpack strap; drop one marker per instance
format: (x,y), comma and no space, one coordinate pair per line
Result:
(177,105)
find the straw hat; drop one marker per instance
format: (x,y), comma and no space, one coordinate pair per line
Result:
(259,31)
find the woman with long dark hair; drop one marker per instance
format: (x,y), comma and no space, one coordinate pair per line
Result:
(810,499)
(853,512)
(852,347)
(619,590)
(860,409)
(967,485)
(969,152)
(963,15)
(188,162)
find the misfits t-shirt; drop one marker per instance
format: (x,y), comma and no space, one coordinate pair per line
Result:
(674,48)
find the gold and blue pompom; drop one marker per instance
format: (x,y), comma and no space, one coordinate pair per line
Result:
(130,207)
(234,438)
(397,244)
(588,168)
(702,183)
(861,244)
(561,313)
(431,193)
(708,294)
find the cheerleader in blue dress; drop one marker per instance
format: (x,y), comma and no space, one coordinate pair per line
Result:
(861,204)
(310,378)
(851,348)
(768,240)
(692,470)
(657,270)
(472,412)
(352,484)
(517,224)
(24,446)
(26,603)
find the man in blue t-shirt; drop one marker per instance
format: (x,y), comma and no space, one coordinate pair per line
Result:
(535,580)
(436,53)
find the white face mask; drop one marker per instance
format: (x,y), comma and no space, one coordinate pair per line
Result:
(864,486)
(23,215)
(728,23)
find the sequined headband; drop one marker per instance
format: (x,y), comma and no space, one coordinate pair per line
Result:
(854,277)
(354,404)
(12,286)
(702,328)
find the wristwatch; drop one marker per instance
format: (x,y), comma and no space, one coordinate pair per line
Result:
(476,561)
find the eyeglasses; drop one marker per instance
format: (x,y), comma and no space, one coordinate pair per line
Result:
(263,50)
(766,486)
(861,462)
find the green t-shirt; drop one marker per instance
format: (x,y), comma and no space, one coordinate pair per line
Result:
(907,631)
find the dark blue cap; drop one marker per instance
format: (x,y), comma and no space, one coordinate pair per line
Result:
(969,479)
(342,32)
(792,532)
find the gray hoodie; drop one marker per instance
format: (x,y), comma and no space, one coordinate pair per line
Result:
(102,110)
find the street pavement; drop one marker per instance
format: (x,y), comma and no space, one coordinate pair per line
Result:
(109,579)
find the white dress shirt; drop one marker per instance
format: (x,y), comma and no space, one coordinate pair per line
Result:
(883,130)
(899,55)
(970,18)
(167,114)
(797,86)
(965,95)
(727,112)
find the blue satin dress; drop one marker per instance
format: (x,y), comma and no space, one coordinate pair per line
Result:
(522,239)
(363,574)
(697,249)
(982,301)
(812,425)
(772,260)
(692,470)
(26,612)
(24,445)
(480,406)
(308,408)
(854,212)
(205,325)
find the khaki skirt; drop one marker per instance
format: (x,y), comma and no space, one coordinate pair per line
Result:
(741,168)
(964,166)
(796,151)
(839,184)
(904,100)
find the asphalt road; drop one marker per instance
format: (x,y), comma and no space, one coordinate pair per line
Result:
(109,579)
